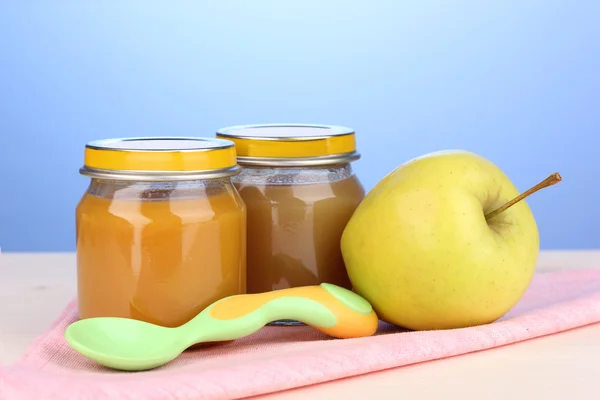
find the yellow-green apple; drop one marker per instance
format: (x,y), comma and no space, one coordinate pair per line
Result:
(443,241)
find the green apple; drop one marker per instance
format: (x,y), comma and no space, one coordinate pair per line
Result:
(443,241)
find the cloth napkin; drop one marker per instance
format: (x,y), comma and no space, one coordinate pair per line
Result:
(280,358)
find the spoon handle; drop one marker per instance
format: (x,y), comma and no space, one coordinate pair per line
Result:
(333,310)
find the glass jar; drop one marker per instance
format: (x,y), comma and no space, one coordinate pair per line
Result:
(300,191)
(161,230)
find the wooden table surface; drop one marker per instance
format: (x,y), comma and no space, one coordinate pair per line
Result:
(34,289)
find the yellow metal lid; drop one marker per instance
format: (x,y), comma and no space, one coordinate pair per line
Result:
(160,158)
(291,144)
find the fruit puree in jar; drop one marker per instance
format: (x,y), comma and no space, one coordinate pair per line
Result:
(300,192)
(161,230)
(294,232)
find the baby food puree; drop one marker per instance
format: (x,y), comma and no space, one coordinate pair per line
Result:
(300,191)
(161,231)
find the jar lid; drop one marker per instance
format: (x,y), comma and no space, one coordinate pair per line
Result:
(291,144)
(160,158)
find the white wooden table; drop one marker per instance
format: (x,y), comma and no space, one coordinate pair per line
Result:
(34,289)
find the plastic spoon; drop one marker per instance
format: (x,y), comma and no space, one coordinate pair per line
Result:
(132,345)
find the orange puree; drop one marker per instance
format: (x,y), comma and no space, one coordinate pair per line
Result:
(159,252)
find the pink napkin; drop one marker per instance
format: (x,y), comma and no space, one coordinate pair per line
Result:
(279,358)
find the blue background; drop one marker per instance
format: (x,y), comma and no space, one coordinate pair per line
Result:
(515,81)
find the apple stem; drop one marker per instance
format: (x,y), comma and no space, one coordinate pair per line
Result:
(549,181)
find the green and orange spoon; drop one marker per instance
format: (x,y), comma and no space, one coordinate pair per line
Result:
(132,345)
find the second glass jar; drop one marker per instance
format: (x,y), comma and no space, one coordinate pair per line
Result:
(300,191)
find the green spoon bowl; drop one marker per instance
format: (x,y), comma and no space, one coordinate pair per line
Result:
(125,344)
